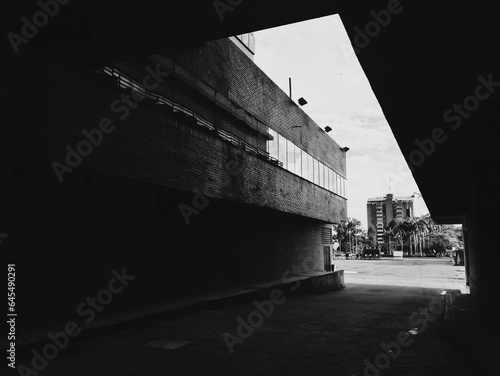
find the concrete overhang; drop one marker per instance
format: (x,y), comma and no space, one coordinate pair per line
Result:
(429,56)
(428,59)
(94,32)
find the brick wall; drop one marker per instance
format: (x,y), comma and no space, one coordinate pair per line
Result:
(229,71)
(120,206)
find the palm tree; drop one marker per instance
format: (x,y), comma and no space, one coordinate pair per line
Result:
(372,235)
(397,230)
(422,227)
(346,231)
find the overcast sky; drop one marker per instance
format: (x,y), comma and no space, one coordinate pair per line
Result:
(318,56)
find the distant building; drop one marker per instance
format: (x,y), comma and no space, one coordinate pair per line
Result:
(382,210)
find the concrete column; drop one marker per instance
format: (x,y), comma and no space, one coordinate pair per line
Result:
(482,242)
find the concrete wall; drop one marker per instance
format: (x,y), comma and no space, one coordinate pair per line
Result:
(235,76)
(77,232)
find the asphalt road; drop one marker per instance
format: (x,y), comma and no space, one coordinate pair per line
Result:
(418,272)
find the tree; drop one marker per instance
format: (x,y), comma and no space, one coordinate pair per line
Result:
(372,236)
(396,230)
(414,233)
(438,237)
(346,233)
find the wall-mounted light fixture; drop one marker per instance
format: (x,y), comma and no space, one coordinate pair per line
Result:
(345,149)
(302,101)
(328,129)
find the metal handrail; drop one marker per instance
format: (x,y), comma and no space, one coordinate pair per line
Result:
(123,81)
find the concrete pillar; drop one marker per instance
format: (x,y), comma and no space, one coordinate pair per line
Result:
(482,242)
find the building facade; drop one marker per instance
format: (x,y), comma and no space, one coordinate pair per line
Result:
(190,168)
(382,210)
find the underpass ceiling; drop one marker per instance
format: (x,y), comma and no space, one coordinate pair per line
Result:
(427,58)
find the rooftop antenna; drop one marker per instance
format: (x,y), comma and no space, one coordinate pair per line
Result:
(290,86)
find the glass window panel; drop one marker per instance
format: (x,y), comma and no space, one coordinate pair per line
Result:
(298,161)
(330,174)
(303,160)
(309,175)
(282,149)
(251,42)
(273,144)
(244,39)
(321,174)
(316,170)
(325,177)
(336,183)
(345,188)
(291,156)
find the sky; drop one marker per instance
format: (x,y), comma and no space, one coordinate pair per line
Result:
(324,69)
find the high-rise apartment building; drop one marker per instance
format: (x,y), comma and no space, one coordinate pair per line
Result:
(382,210)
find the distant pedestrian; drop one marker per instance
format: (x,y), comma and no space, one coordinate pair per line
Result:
(455,257)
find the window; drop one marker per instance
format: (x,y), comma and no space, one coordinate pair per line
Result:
(310,168)
(330,174)
(325,177)
(305,167)
(273,145)
(296,157)
(321,180)
(316,171)
(251,42)
(290,156)
(282,150)
(244,39)
(298,161)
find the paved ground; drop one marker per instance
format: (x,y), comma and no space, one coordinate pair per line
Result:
(417,271)
(338,333)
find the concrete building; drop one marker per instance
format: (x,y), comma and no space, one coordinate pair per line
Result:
(189,168)
(382,210)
